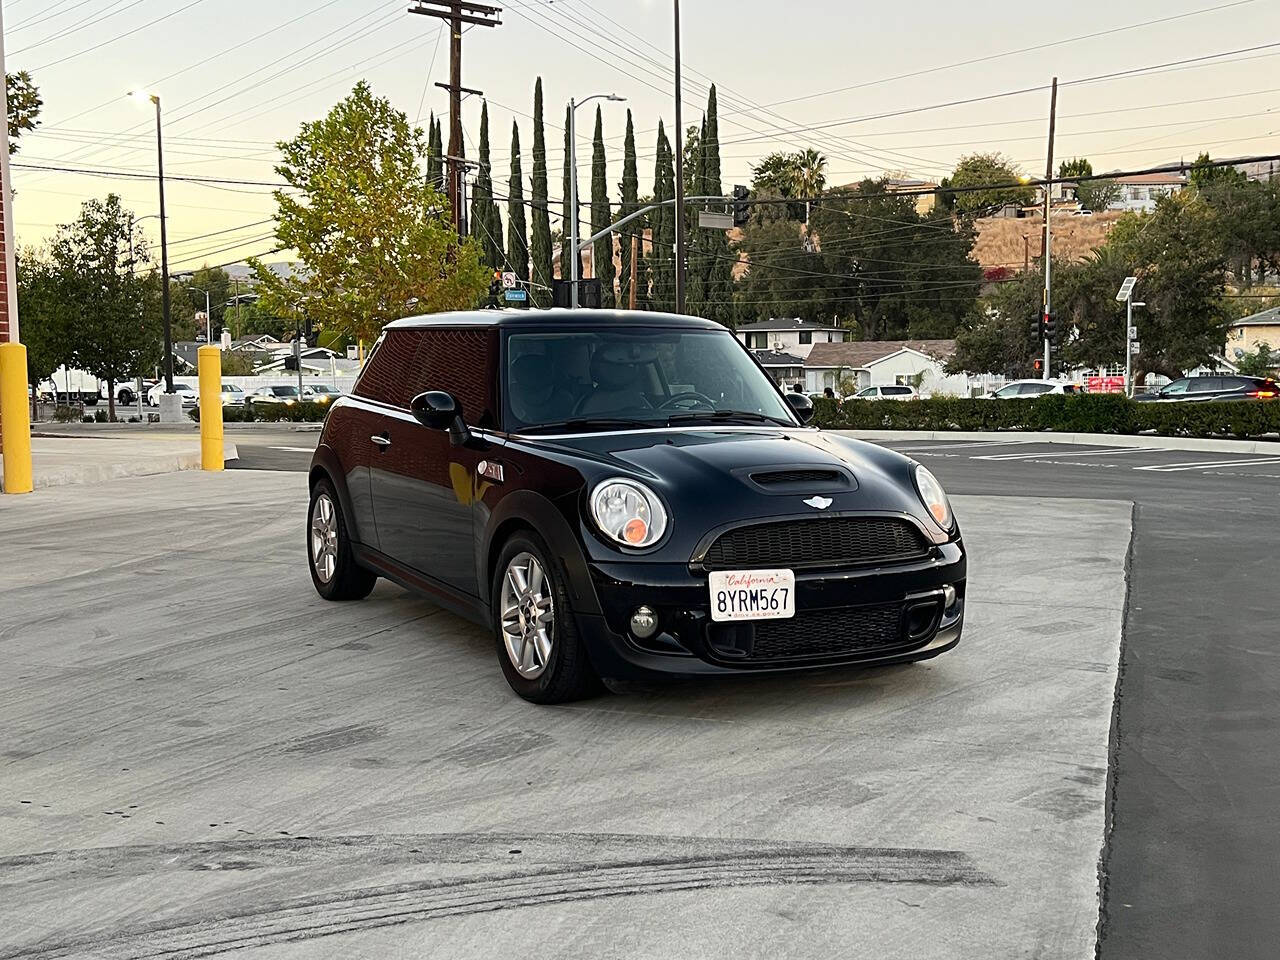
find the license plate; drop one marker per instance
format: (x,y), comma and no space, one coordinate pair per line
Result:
(752,594)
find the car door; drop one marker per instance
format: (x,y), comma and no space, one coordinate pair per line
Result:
(1204,388)
(1174,390)
(424,486)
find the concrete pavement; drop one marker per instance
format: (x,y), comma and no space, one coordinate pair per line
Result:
(219,761)
(58,461)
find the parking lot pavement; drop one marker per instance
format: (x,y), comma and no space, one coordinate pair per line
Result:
(215,760)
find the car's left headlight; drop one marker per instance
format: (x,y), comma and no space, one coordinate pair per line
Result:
(628,512)
(934,498)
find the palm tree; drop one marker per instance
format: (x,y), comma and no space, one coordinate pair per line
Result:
(809,175)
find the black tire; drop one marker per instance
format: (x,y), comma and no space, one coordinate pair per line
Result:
(125,397)
(567,674)
(347,580)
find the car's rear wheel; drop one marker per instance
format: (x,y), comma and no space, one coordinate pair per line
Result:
(334,570)
(541,654)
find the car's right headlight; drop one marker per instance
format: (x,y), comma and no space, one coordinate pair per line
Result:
(934,498)
(628,512)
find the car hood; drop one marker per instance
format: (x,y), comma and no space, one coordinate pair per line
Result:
(709,476)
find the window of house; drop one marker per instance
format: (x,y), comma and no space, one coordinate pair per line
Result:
(806,337)
(759,341)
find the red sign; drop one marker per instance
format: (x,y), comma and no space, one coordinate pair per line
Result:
(1104,384)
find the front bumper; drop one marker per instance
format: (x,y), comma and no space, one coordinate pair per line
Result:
(866,615)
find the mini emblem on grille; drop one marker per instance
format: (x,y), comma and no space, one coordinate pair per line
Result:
(819,503)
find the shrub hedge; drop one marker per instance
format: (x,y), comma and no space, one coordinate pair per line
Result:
(1080,413)
(304,412)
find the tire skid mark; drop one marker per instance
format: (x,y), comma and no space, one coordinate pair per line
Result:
(579,871)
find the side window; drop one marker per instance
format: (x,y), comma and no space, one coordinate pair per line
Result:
(1176,386)
(386,372)
(1034,389)
(1204,384)
(1010,391)
(461,362)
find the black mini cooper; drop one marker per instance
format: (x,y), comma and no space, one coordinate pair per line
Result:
(625,496)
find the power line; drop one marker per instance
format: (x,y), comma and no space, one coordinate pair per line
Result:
(119,36)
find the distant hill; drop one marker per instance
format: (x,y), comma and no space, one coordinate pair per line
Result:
(1000,239)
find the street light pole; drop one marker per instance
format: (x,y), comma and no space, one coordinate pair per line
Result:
(1128,343)
(164,249)
(679,172)
(576,261)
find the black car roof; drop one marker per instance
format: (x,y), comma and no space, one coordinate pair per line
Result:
(560,318)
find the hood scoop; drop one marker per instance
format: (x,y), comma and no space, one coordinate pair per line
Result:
(800,479)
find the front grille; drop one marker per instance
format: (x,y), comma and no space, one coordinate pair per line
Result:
(841,633)
(778,477)
(829,541)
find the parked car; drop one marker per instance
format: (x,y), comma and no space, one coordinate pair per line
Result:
(625,498)
(188,394)
(127,393)
(319,393)
(232,395)
(891,392)
(287,395)
(1214,387)
(1033,388)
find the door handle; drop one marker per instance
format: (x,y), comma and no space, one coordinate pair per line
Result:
(381,439)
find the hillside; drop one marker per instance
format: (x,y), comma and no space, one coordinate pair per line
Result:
(1000,239)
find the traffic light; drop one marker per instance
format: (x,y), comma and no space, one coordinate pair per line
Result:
(495,288)
(741,208)
(1037,328)
(1051,329)
(1038,365)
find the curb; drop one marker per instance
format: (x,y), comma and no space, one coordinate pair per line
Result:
(1145,441)
(142,467)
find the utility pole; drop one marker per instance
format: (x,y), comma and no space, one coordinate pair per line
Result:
(456,13)
(635,264)
(679,174)
(1026,253)
(1048,205)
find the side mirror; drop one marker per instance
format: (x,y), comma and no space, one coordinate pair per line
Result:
(801,406)
(441,411)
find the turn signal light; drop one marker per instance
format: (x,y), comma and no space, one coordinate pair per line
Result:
(635,530)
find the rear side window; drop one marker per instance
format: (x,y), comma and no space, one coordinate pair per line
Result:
(461,362)
(1034,389)
(1204,384)
(386,373)
(897,391)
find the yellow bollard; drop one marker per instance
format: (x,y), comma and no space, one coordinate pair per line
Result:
(210,367)
(15,422)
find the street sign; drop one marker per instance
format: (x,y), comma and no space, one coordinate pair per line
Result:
(1133,332)
(516,296)
(714,221)
(1134,346)
(508,281)
(1126,288)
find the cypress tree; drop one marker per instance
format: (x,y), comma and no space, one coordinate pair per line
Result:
(540,246)
(602,251)
(517,236)
(629,189)
(696,236)
(486,225)
(663,257)
(719,286)
(569,216)
(435,154)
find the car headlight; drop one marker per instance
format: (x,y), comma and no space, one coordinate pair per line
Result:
(628,513)
(934,497)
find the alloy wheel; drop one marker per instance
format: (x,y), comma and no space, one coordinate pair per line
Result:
(528,615)
(324,538)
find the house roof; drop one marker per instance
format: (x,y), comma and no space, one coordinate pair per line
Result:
(1267,318)
(785,323)
(1154,179)
(859,353)
(776,358)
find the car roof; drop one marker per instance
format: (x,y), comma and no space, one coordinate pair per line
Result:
(559,318)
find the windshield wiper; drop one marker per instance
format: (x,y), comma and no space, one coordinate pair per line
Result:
(715,415)
(590,423)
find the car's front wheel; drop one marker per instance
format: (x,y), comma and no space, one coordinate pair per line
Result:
(334,570)
(541,654)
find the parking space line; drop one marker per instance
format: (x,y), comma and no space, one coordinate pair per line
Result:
(295,449)
(962,445)
(1206,465)
(1111,452)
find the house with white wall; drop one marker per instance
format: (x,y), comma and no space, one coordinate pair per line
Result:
(789,335)
(1140,192)
(874,363)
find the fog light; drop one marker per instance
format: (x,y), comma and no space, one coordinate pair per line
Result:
(948,597)
(644,622)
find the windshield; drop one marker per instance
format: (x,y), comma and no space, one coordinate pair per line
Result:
(285,391)
(645,377)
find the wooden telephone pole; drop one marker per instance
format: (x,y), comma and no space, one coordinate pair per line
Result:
(456,13)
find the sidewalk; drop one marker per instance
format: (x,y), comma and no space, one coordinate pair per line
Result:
(57,461)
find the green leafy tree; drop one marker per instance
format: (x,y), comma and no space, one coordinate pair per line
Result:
(601,217)
(1076,167)
(24,101)
(1098,194)
(254,318)
(994,172)
(517,229)
(114,335)
(486,226)
(785,277)
(1263,362)
(46,315)
(629,191)
(540,244)
(374,239)
(1204,174)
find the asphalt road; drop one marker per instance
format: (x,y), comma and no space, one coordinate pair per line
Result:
(199,756)
(1190,869)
